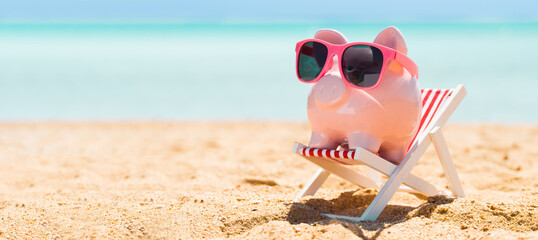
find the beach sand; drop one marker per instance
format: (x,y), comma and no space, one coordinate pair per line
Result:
(238,180)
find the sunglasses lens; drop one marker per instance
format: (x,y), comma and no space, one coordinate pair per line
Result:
(362,65)
(312,58)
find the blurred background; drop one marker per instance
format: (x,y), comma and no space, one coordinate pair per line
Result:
(74,60)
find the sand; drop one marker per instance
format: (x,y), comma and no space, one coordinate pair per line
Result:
(238,180)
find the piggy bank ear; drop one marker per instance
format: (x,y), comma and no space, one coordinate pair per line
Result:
(331,36)
(392,37)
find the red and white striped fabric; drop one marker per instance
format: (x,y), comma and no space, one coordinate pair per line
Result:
(431,101)
(329,153)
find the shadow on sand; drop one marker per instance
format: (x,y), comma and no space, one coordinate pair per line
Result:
(353,204)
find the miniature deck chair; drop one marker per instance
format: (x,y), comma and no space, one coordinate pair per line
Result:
(438,105)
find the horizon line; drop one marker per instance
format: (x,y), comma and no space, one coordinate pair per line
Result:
(263,22)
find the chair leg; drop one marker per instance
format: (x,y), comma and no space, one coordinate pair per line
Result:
(344,172)
(393,184)
(314,184)
(383,166)
(441,148)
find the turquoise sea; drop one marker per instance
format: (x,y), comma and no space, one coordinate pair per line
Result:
(242,71)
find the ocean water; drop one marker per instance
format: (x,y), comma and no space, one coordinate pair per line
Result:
(242,71)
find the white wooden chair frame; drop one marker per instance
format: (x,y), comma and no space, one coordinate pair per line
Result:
(398,174)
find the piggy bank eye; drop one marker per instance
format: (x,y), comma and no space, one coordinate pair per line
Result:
(349,68)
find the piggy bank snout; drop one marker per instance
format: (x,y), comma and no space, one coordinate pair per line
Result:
(329,91)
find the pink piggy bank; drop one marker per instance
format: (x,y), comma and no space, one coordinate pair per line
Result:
(364,94)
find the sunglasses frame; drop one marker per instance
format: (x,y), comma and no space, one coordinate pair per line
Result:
(338,50)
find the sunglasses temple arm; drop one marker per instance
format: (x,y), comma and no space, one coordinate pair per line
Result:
(407,63)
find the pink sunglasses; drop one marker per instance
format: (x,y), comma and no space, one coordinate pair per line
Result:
(362,64)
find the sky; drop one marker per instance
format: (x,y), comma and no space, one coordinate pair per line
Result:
(167,11)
